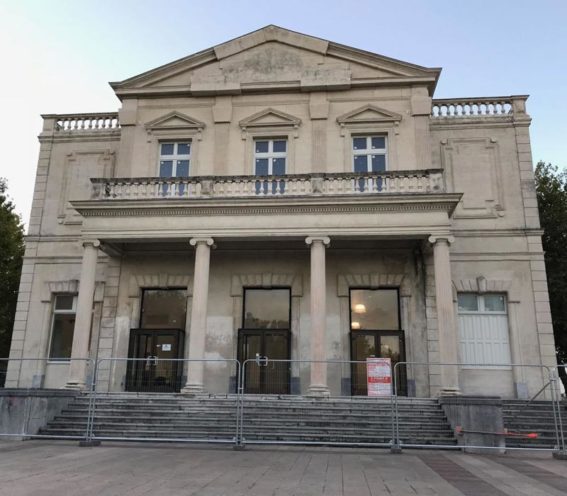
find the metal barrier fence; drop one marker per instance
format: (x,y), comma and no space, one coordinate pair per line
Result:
(140,378)
(548,374)
(33,390)
(265,376)
(563,445)
(242,386)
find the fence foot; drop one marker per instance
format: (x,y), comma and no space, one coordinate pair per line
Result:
(560,455)
(88,444)
(396,449)
(239,447)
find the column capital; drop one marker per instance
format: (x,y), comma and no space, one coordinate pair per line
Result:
(197,241)
(318,239)
(443,237)
(88,241)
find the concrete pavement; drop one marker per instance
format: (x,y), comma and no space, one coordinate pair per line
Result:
(60,468)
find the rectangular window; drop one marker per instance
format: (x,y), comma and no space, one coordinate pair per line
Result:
(62,325)
(369,153)
(266,308)
(374,309)
(483,329)
(164,309)
(270,157)
(174,159)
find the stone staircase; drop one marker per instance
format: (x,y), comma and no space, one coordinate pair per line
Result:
(537,416)
(266,419)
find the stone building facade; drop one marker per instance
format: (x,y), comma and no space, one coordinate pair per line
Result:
(290,197)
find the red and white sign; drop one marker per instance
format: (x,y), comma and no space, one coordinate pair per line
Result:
(379,376)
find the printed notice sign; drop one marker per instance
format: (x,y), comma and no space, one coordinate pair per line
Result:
(166,347)
(379,376)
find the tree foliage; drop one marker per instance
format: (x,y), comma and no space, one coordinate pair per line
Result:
(551,188)
(11,254)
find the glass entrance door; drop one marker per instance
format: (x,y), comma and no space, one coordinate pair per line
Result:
(379,344)
(266,333)
(153,371)
(375,332)
(266,376)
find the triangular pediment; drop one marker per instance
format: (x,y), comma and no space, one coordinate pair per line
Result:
(174,120)
(368,114)
(274,58)
(270,118)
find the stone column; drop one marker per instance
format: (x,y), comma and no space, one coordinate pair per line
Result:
(84,315)
(446,322)
(318,386)
(198,329)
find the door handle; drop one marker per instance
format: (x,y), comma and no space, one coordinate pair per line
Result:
(261,361)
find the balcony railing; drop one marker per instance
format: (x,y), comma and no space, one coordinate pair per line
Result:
(85,123)
(147,188)
(501,106)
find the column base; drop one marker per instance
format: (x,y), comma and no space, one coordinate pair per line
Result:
(450,391)
(318,391)
(193,389)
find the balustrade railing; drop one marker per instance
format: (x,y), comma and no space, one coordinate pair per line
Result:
(394,182)
(86,122)
(473,107)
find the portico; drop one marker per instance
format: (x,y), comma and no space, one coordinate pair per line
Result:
(357,223)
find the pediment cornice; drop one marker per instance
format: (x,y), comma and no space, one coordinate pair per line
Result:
(175,120)
(170,79)
(269,118)
(369,114)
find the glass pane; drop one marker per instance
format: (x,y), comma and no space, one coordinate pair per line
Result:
(266,309)
(374,309)
(182,168)
(183,148)
(378,163)
(467,302)
(166,168)
(62,336)
(494,303)
(262,146)
(64,302)
(261,166)
(360,163)
(390,348)
(379,142)
(167,149)
(278,166)
(164,309)
(359,143)
(280,146)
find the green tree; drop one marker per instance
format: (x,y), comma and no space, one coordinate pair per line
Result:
(11,254)
(551,188)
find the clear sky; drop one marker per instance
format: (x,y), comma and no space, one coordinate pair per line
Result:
(58,55)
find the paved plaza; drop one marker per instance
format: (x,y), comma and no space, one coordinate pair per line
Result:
(45,468)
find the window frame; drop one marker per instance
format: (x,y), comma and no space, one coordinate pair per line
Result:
(243,313)
(141,313)
(368,152)
(176,157)
(485,313)
(379,288)
(270,155)
(54,313)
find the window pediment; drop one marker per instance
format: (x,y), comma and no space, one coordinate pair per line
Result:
(369,114)
(270,118)
(175,121)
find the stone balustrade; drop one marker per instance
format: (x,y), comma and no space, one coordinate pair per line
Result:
(474,107)
(296,185)
(86,122)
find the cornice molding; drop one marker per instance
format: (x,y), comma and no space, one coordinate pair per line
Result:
(126,209)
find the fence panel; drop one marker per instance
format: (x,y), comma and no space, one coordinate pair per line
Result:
(34,394)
